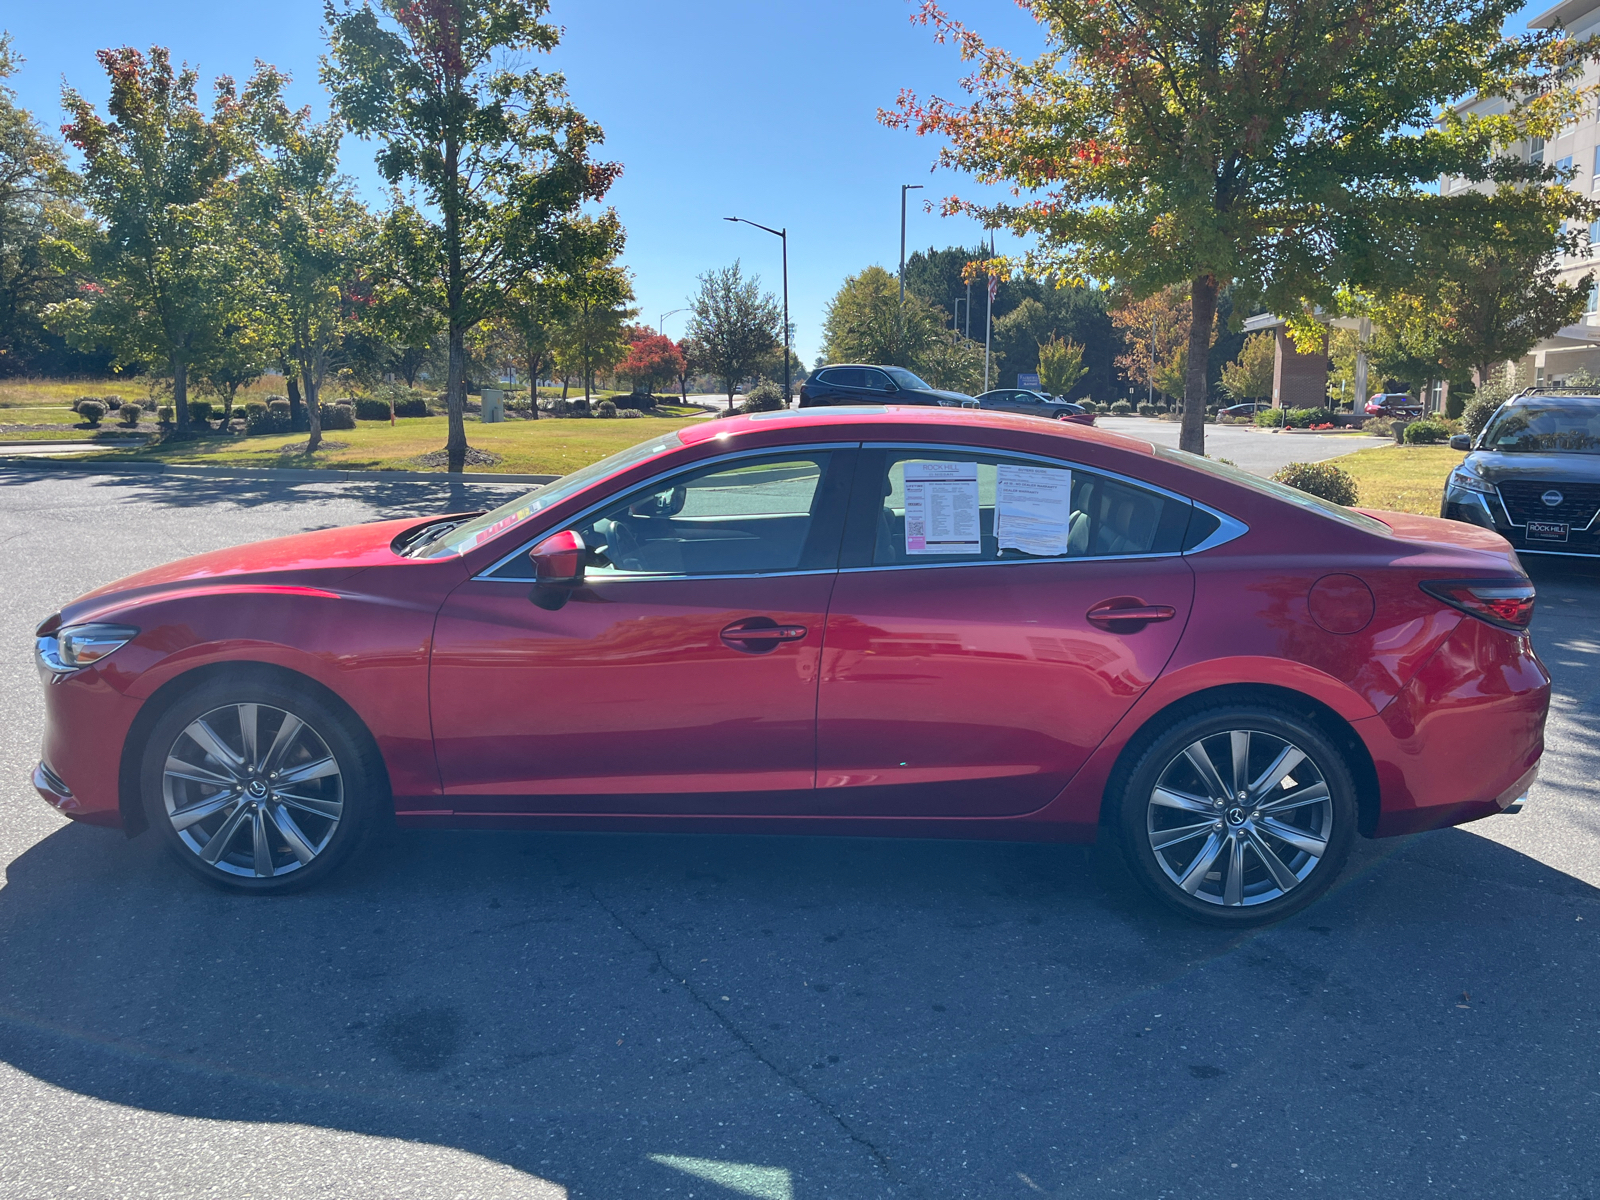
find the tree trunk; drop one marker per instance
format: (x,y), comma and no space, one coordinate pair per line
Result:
(294,399)
(309,373)
(456,399)
(566,381)
(1203,299)
(533,385)
(180,392)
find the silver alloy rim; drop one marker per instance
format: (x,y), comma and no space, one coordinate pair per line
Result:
(1240,818)
(252,790)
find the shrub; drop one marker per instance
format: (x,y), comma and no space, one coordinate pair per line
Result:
(629,412)
(200,411)
(166,414)
(1147,410)
(1477,413)
(1426,433)
(1320,479)
(1304,418)
(91,411)
(636,401)
(84,400)
(579,407)
(340,416)
(370,408)
(766,396)
(605,408)
(1455,404)
(411,406)
(1121,408)
(257,417)
(130,414)
(1270,418)
(112,403)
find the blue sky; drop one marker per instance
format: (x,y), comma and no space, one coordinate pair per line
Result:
(715,108)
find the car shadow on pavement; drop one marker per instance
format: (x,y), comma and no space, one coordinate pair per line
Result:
(832,1017)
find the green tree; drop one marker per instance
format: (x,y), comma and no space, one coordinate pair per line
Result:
(496,157)
(1277,149)
(35,211)
(866,322)
(156,174)
(735,327)
(1060,365)
(1249,377)
(310,233)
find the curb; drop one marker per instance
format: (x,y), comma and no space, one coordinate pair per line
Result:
(269,474)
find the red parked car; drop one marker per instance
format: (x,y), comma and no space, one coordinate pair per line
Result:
(875,620)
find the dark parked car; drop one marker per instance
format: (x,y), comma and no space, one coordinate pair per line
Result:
(1533,475)
(1248,409)
(1034,404)
(881,620)
(865,383)
(1393,404)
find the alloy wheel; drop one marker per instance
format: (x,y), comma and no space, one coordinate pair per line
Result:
(1240,818)
(252,790)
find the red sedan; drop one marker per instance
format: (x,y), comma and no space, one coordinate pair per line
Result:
(874,620)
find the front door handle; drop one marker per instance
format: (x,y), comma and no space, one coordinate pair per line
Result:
(761,635)
(1127,615)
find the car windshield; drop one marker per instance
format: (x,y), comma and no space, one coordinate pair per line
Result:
(1542,428)
(1278,491)
(906,379)
(459,539)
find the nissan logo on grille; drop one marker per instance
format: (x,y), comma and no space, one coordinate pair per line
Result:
(1553,498)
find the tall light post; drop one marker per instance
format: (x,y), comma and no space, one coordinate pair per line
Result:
(904,188)
(661,325)
(784,235)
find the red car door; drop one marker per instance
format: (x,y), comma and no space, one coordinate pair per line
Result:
(680,677)
(976,682)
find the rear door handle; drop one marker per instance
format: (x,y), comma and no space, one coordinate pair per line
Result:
(1122,617)
(761,635)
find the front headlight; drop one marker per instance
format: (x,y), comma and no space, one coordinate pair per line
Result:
(1467,481)
(79,646)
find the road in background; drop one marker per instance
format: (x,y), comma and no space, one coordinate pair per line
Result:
(1254,450)
(608,1017)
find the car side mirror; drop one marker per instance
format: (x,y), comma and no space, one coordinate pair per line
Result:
(1460,441)
(557,569)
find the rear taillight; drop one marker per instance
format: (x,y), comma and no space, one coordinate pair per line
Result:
(1507,604)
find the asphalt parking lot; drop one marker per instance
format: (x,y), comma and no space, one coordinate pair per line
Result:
(599,1016)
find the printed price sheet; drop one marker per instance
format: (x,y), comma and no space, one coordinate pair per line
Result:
(942,508)
(1033,509)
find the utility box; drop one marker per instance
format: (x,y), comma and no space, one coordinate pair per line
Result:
(494,406)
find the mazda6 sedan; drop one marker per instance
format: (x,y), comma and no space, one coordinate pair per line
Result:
(882,621)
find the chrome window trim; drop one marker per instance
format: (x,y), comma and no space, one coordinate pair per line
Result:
(1012,562)
(487,574)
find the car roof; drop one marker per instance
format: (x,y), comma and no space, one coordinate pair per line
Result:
(906,419)
(1555,394)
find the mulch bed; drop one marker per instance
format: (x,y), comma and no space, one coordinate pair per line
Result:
(302,447)
(441,458)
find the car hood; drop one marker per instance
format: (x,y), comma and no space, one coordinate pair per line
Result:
(1555,468)
(322,557)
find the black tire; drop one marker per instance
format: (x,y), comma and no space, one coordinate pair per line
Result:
(1262,866)
(302,829)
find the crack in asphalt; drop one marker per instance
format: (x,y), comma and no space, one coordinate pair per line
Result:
(739,1035)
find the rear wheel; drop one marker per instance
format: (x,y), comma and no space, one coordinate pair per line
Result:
(1238,816)
(256,786)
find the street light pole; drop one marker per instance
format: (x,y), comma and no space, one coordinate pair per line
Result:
(661,325)
(782,234)
(904,188)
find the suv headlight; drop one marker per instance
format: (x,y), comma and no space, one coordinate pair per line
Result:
(77,646)
(1467,481)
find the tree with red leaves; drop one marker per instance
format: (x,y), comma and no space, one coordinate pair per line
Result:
(155,173)
(651,357)
(495,157)
(1277,148)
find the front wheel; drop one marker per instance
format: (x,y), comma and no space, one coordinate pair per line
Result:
(257,786)
(1238,816)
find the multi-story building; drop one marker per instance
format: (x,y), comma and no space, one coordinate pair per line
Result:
(1575,149)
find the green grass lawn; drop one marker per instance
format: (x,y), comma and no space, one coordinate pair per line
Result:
(1401,478)
(543,447)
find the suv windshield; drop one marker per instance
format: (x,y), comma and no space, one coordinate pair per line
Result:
(1279,491)
(1536,428)
(458,539)
(906,379)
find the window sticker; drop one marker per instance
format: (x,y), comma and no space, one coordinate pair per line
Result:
(942,508)
(1033,509)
